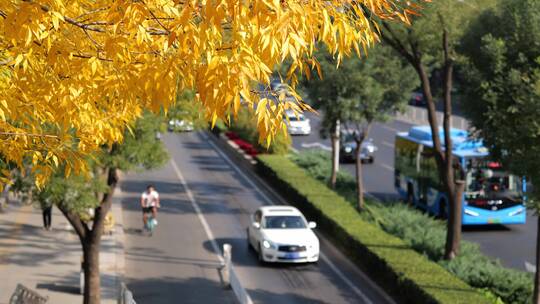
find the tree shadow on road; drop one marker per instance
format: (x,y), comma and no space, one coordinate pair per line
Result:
(167,289)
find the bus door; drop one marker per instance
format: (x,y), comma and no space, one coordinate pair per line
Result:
(428,178)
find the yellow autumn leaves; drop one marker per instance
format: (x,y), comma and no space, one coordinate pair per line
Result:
(75,73)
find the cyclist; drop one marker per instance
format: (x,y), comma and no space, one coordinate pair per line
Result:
(149,203)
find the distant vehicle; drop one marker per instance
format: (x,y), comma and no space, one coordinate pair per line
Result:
(297,124)
(278,87)
(180,125)
(282,234)
(347,150)
(417,99)
(491,196)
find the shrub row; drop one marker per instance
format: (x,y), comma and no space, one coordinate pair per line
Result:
(427,236)
(407,275)
(245,127)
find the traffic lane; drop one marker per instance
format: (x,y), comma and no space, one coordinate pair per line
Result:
(238,198)
(512,245)
(379,176)
(170,266)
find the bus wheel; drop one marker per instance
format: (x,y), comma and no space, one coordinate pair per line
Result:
(410,198)
(443,209)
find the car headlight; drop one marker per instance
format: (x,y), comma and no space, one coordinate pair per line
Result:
(371,149)
(267,244)
(348,149)
(514,213)
(471,213)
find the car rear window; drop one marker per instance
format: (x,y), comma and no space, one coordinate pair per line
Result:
(283,222)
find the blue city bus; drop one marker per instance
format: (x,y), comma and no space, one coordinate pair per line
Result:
(491,195)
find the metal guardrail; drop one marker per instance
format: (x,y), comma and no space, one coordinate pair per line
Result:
(231,279)
(125,296)
(417,115)
(24,295)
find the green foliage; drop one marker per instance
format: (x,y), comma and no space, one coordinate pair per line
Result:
(408,275)
(141,148)
(427,236)
(369,88)
(187,108)
(245,126)
(504,72)
(78,193)
(426,32)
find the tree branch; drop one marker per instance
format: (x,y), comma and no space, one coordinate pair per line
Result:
(156,19)
(80,227)
(101,211)
(29,135)
(396,44)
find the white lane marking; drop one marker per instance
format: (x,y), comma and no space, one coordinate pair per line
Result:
(388,144)
(344,279)
(269,201)
(316,145)
(530,267)
(387,167)
(200,215)
(390,129)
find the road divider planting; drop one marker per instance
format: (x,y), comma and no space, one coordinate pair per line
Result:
(426,235)
(392,263)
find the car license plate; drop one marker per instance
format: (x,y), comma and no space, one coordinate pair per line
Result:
(292,255)
(493,220)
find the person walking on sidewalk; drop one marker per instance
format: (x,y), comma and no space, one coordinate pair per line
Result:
(46,207)
(149,203)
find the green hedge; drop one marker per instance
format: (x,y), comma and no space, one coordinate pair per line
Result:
(245,125)
(426,235)
(407,275)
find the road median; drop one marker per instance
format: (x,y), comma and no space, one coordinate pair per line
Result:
(405,274)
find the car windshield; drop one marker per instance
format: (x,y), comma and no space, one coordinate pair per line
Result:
(293,117)
(487,180)
(283,222)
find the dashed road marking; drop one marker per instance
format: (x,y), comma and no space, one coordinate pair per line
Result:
(269,201)
(197,209)
(388,144)
(387,167)
(390,128)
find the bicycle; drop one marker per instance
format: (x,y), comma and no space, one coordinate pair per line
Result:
(151,224)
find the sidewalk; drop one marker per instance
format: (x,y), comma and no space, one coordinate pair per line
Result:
(49,261)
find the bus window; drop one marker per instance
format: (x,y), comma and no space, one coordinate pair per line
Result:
(487,180)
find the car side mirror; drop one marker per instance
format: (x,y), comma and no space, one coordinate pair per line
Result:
(256,225)
(312,225)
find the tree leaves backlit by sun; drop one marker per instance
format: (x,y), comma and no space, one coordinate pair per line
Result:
(75,73)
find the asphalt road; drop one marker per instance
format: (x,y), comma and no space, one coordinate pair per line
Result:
(179,263)
(513,245)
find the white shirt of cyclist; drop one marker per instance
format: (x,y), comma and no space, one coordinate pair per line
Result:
(150,199)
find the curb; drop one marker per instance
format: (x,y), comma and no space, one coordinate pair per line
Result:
(119,240)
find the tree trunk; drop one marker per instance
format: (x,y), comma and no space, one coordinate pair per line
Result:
(91,239)
(453,224)
(359,138)
(92,283)
(453,185)
(359,179)
(335,154)
(445,164)
(536,294)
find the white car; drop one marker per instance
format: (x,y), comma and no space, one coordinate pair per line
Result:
(297,124)
(282,234)
(180,125)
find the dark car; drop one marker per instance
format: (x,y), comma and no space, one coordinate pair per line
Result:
(347,151)
(417,99)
